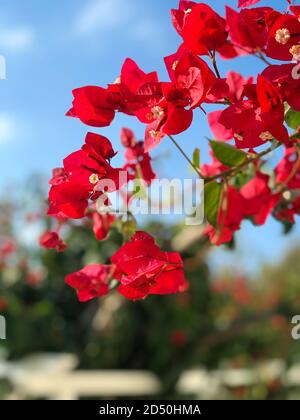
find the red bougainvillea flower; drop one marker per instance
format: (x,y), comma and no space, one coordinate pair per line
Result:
(287,171)
(260,201)
(143,269)
(68,199)
(247,3)
(102,224)
(7,247)
(284,38)
(295,10)
(287,177)
(229,217)
(171,118)
(282,76)
(214,168)
(248,28)
(272,108)
(191,77)
(90,282)
(59,176)
(236,83)
(179,15)
(51,240)
(96,106)
(220,132)
(191,83)
(257,119)
(92,106)
(138,161)
(91,164)
(139,89)
(86,174)
(203,30)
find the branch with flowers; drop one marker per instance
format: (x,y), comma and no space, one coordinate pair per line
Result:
(239,182)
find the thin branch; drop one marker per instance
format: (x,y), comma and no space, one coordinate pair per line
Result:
(262,57)
(212,56)
(231,171)
(237,168)
(258,55)
(185,156)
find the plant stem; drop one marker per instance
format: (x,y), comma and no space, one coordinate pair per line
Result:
(185,156)
(231,171)
(258,55)
(237,168)
(212,56)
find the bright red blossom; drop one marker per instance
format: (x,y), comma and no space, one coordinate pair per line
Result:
(102,224)
(90,282)
(143,269)
(283,36)
(247,3)
(51,240)
(138,162)
(203,30)
(254,111)
(263,111)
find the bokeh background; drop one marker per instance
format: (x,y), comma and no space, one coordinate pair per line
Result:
(236,316)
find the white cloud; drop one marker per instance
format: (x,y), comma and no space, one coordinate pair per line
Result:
(18,38)
(7,129)
(101,15)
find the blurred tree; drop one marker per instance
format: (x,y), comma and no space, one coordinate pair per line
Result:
(229,321)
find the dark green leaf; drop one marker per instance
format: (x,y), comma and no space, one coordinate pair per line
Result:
(292,118)
(227,154)
(212,196)
(196,157)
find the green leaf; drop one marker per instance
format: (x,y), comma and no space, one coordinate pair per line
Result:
(292,118)
(212,197)
(196,157)
(129,228)
(139,190)
(227,154)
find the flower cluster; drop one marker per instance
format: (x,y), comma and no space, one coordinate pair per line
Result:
(140,268)
(259,111)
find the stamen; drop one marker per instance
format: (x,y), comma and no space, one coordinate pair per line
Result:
(157,112)
(265,136)
(282,36)
(155,134)
(94,179)
(295,51)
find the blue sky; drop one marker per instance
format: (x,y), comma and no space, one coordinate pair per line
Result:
(53,46)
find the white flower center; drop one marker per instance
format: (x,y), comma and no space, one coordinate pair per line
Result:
(265,136)
(282,36)
(94,179)
(295,51)
(157,112)
(155,134)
